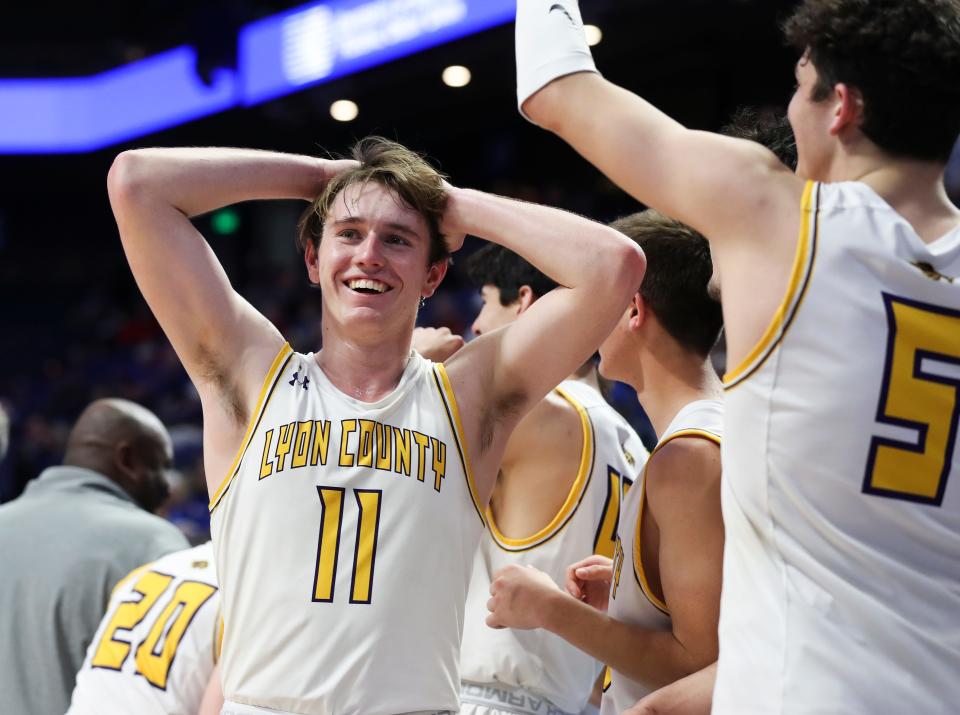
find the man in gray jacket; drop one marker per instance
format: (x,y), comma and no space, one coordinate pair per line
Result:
(66,542)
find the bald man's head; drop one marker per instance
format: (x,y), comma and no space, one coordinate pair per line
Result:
(127,443)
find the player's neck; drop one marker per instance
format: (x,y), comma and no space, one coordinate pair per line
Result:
(914,188)
(916,191)
(669,383)
(588,375)
(366,369)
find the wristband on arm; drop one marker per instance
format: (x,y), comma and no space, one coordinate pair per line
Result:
(550,44)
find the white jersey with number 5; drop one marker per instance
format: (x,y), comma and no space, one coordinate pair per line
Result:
(841,579)
(156,645)
(631,598)
(344,536)
(539,662)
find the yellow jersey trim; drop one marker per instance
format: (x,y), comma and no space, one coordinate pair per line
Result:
(796,289)
(456,424)
(574,497)
(218,638)
(638,571)
(265,391)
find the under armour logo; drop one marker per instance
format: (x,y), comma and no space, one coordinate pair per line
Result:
(297,381)
(561,8)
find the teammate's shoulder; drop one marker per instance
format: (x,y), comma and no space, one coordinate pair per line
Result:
(683,463)
(200,556)
(553,430)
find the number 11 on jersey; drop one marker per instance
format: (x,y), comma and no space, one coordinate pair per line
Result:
(365,546)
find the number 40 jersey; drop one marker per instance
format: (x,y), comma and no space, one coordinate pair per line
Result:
(841,476)
(157,643)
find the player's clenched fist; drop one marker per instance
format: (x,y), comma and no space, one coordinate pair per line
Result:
(520,597)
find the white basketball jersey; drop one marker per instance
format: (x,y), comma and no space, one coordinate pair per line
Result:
(538,661)
(156,645)
(841,581)
(631,599)
(344,535)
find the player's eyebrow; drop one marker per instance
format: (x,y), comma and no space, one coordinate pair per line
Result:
(393,226)
(403,228)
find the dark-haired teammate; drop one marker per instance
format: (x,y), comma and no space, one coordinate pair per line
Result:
(842,304)
(557,500)
(652,614)
(348,485)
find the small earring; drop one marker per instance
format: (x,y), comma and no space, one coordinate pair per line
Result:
(423,301)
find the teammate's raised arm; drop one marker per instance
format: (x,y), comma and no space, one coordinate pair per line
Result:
(521,362)
(705,180)
(661,612)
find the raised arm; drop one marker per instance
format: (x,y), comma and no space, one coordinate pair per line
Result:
(501,375)
(721,186)
(225,345)
(154,194)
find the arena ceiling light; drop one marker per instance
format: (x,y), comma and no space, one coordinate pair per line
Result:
(456,76)
(277,55)
(343,110)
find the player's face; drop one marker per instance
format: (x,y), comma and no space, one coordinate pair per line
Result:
(493,314)
(811,121)
(371,263)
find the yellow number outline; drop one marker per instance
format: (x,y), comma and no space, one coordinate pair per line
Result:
(183,607)
(365,550)
(606,536)
(617,567)
(328,544)
(111,653)
(913,398)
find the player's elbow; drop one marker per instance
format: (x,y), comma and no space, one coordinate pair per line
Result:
(627,265)
(127,176)
(543,107)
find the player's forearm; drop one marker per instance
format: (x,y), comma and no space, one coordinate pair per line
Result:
(197,180)
(654,658)
(572,250)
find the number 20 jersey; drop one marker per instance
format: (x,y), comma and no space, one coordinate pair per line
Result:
(344,535)
(841,488)
(156,646)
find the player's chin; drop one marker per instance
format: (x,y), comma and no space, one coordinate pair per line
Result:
(605,368)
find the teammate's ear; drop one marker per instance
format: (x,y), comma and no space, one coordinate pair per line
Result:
(435,275)
(638,311)
(525,298)
(848,108)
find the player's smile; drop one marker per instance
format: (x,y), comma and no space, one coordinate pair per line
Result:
(367,286)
